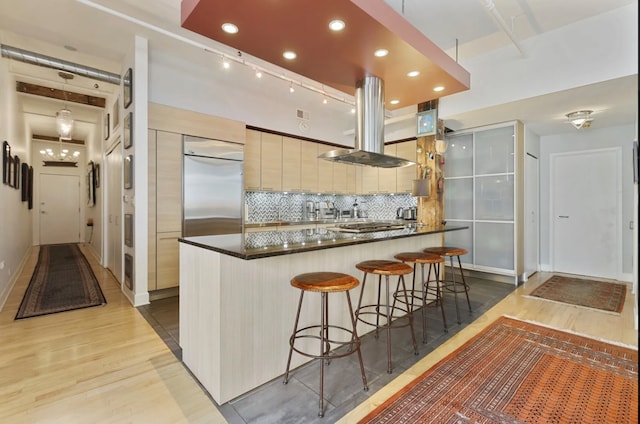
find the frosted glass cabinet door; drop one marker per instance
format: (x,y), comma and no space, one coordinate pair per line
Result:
(494,198)
(459,156)
(494,151)
(458,198)
(461,238)
(494,245)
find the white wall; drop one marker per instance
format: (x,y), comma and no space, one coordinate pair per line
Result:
(15,217)
(589,139)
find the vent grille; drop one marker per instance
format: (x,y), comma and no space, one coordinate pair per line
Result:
(302,114)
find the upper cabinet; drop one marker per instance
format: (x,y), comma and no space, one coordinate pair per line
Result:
(309,161)
(252,160)
(291,164)
(271,162)
(387,177)
(406,174)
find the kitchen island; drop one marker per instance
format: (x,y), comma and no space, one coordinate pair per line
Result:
(237,307)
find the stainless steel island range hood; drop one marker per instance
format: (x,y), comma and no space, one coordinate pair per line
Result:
(369,142)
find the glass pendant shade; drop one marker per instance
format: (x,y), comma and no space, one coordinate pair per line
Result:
(64,123)
(441,147)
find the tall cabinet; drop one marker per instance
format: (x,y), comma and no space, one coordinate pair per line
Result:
(484,190)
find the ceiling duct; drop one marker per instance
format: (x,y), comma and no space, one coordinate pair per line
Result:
(369,141)
(58,64)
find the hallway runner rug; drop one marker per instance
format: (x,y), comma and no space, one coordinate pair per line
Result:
(598,295)
(519,372)
(62,281)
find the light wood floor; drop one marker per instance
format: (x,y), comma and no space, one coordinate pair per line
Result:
(96,365)
(604,326)
(107,365)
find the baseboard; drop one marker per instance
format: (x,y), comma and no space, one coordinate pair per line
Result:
(164,293)
(545,268)
(12,282)
(626,277)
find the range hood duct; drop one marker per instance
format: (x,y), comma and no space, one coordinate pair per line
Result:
(58,64)
(369,141)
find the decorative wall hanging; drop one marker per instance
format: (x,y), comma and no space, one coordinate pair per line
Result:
(128,87)
(91,185)
(115,115)
(30,189)
(426,122)
(96,174)
(128,271)
(24,176)
(10,171)
(128,229)
(128,171)
(16,173)
(107,128)
(128,130)
(6,168)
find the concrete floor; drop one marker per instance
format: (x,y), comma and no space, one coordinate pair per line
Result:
(297,401)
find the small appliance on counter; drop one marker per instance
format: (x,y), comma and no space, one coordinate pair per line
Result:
(408,214)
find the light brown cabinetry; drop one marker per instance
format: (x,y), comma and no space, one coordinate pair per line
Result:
(325,171)
(271,162)
(387,176)
(406,175)
(309,171)
(168,265)
(291,164)
(252,160)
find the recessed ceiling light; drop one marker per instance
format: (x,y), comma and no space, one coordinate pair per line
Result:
(381,52)
(394,101)
(336,25)
(289,55)
(229,28)
(413,74)
(438,88)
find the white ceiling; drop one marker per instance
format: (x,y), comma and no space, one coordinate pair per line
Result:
(101,31)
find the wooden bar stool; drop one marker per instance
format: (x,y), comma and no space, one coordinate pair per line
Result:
(451,284)
(325,283)
(386,268)
(418,296)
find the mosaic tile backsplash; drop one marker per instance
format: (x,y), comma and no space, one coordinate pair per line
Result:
(269,206)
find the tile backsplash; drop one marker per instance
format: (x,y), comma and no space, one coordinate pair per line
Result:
(270,206)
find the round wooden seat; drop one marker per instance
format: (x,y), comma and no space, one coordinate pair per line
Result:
(384,267)
(326,282)
(419,257)
(450,283)
(446,251)
(334,339)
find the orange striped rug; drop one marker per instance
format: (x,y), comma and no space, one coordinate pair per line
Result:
(518,372)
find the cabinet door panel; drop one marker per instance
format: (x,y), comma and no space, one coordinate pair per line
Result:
(169,181)
(459,156)
(309,171)
(252,158)
(340,177)
(387,177)
(291,164)
(151,220)
(325,171)
(168,262)
(494,198)
(271,162)
(406,174)
(494,245)
(494,150)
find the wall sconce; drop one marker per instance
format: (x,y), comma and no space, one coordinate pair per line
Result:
(580,119)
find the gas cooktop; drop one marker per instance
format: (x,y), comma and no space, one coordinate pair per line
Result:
(366,227)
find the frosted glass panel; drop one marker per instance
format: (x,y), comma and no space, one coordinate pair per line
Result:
(459,156)
(461,238)
(494,198)
(494,245)
(494,151)
(458,198)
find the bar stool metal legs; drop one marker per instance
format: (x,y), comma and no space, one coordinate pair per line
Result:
(325,283)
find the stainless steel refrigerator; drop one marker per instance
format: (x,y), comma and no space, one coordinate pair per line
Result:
(212,187)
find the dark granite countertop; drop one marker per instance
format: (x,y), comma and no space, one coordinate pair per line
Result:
(275,243)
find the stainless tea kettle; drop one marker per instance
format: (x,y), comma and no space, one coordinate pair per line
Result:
(407,213)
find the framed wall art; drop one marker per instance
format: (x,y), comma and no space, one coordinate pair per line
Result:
(6,166)
(128,271)
(128,229)
(15,182)
(107,126)
(115,115)
(128,130)
(128,171)
(96,174)
(127,82)
(30,188)
(24,180)
(426,122)
(91,185)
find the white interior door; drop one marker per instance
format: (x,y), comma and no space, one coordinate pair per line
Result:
(531,208)
(586,213)
(59,208)
(114,207)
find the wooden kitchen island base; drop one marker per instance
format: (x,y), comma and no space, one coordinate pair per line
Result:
(236,314)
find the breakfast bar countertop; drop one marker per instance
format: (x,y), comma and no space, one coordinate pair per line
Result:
(275,243)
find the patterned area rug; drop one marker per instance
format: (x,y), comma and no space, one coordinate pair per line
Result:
(518,372)
(592,294)
(62,281)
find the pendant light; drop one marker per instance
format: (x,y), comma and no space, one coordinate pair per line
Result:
(64,119)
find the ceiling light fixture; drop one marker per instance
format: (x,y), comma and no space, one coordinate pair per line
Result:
(289,55)
(229,28)
(64,119)
(381,53)
(258,73)
(336,25)
(394,101)
(438,88)
(580,119)
(291,89)
(413,74)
